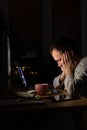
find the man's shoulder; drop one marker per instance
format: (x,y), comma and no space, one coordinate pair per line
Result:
(83,61)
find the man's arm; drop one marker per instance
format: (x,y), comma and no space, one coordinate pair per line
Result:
(59,80)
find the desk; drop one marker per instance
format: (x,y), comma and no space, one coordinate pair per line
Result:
(79,103)
(32,113)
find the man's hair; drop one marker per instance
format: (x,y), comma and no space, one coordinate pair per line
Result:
(64,44)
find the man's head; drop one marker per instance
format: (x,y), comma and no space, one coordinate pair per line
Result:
(60,46)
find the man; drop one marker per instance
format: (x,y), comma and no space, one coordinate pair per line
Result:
(74,68)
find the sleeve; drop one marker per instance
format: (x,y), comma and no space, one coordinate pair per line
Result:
(69,84)
(77,83)
(56,82)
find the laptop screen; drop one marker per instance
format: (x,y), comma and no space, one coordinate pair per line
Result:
(22,77)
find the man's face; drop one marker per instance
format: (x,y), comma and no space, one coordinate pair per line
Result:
(57,56)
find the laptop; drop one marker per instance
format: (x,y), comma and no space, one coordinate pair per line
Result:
(25,88)
(22,77)
(23,80)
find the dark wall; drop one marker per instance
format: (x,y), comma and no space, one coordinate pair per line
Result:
(3,44)
(34,24)
(83,10)
(66,19)
(26,23)
(25,26)
(28,33)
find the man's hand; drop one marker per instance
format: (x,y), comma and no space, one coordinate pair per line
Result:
(68,64)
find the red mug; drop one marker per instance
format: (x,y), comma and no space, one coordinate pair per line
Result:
(42,89)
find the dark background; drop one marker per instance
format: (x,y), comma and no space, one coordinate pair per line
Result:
(31,26)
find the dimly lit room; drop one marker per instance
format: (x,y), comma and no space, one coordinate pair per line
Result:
(43,86)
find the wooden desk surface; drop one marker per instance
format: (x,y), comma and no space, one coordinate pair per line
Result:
(7,102)
(17,112)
